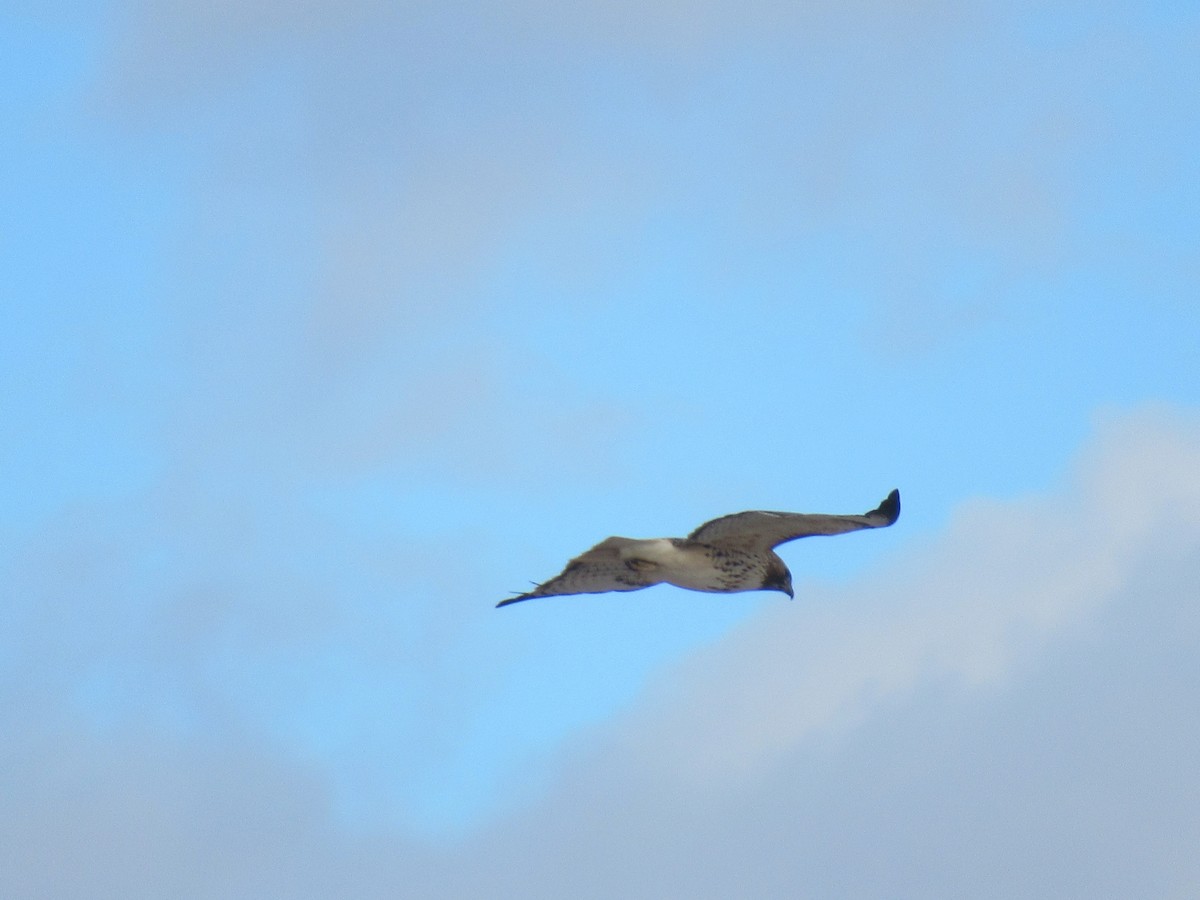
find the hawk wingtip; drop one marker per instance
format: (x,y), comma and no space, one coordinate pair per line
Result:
(890,507)
(519,596)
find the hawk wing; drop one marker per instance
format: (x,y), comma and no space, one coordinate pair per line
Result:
(597,571)
(761,530)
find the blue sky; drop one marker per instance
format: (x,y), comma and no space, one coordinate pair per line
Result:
(327,325)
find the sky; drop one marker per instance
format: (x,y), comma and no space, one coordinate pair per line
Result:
(325,326)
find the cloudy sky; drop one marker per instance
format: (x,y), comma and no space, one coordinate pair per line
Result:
(326,325)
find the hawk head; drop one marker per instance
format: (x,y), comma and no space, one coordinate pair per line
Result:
(778,578)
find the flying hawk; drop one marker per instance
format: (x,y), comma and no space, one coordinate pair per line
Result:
(729,554)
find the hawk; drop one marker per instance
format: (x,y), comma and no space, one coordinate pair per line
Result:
(729,554)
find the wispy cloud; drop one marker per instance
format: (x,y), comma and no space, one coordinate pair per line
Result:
(430,149)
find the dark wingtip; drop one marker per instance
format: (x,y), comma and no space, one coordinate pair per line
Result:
(890,507)
(521,596)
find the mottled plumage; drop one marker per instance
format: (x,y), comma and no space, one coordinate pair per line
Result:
(729,554)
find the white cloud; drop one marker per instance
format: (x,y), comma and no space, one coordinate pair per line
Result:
(1003,582)
(1007,710)
(1006,713)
